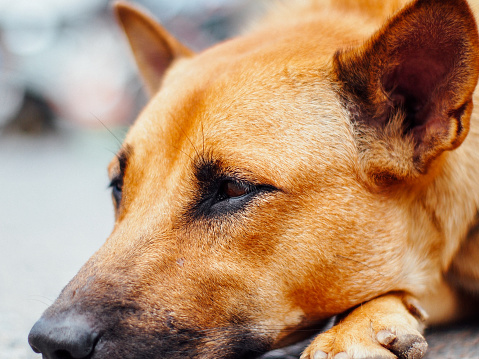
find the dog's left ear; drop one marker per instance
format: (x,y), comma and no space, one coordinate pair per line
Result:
(409,88)
(153,47)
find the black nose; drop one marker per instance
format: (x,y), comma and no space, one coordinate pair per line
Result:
(63,338)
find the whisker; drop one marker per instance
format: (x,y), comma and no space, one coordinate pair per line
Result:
(183,152)
(44,300)
(189,140)
(106,127)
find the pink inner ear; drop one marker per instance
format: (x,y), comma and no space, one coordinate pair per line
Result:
(159,59)
(414,83)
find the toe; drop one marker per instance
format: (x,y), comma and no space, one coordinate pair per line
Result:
(319,354)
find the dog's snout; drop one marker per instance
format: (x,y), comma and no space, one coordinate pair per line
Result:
(63,338)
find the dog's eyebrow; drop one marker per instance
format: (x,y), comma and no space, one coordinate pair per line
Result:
(207,169)
(122,157)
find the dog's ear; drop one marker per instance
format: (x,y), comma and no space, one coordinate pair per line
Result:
(409,88)
(153,47)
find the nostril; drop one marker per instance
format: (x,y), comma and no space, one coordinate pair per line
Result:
(69,337)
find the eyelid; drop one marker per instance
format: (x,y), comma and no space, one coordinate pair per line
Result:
(243,179)
(118,165)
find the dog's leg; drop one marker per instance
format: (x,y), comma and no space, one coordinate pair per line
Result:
(386,327)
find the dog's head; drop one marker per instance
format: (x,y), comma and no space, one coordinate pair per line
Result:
(265,187)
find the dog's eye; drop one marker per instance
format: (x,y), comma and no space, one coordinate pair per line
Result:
(231,189)
(116,186)
(228,196)
(223,192)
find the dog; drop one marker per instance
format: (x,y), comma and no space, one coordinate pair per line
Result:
(324,164)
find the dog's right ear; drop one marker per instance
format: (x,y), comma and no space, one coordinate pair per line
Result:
(153,47)
(409,88)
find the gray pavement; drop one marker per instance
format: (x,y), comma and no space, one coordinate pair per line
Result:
(55,212)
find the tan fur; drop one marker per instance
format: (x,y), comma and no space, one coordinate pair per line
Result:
(367,217)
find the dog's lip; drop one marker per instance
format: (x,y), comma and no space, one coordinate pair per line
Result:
(108,347)
(97,348)
(112,341)
(306,330)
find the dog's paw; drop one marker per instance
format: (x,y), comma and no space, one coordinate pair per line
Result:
(389,343)
(385,328)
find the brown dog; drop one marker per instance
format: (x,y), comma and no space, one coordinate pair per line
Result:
(317,166)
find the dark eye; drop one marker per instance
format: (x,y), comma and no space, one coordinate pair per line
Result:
(224,191)
(232,189)
(227,196)
(116,186)
(230,196)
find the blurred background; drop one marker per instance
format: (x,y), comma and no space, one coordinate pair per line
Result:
(68,92)
(65,62)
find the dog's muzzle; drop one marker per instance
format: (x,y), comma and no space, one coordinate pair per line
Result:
(70,335)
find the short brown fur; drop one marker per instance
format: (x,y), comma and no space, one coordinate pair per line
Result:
(362,194)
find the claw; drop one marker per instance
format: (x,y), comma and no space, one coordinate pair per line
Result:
(385,337)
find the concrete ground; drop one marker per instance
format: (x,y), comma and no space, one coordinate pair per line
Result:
(55,212)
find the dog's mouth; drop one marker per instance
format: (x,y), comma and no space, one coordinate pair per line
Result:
(71,335)
(185,343)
